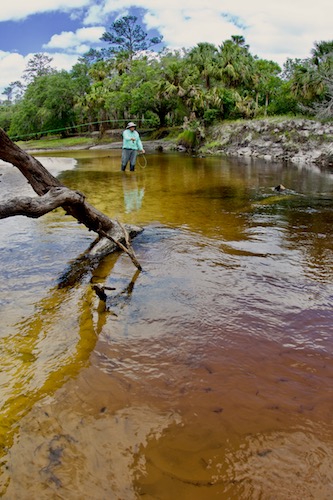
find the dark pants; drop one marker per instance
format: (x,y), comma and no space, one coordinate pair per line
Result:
(128,155)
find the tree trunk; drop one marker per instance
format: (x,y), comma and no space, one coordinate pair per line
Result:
(266,103)
(53,194)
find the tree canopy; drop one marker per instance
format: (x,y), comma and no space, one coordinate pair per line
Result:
(128,37)
(166,88)
(38,65)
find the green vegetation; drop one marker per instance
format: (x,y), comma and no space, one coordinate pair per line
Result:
(188,139)
(56,142)
(184,90)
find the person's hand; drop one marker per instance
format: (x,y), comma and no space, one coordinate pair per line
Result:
(143,151)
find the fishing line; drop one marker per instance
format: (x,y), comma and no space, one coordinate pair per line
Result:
(142,163)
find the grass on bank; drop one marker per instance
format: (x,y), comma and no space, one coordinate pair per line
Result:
(58,142)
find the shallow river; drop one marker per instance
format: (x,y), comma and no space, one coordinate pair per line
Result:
(207,375)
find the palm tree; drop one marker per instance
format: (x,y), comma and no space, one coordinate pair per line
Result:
(311,78)
(203,57)
(235,63)
(321,52)
(322,58)
(308,81)
(239,40)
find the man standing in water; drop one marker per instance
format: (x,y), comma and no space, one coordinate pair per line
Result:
(131,145)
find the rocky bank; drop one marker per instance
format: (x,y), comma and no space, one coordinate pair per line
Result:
(273,139)
(295,140)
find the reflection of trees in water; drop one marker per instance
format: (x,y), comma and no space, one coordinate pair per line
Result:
(50,346)
(53,345)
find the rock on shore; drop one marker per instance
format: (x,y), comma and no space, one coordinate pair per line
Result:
(295,140)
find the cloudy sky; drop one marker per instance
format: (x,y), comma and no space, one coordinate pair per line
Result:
(66,29)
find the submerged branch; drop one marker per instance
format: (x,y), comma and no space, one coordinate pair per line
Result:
(127,249)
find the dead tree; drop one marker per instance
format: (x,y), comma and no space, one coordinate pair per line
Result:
(52,194)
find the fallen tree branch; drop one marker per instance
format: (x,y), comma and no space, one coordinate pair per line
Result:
(50,190)
(127,249)
(36,207)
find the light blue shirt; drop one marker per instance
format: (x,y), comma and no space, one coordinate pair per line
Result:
(131,140)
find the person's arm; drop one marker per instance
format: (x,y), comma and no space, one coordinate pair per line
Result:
(139,143)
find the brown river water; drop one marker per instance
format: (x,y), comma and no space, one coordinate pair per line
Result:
(207,375)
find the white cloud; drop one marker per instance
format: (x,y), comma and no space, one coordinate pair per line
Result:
(12,66)
(20,9)
(78,41)
(94,15)
(181,29)
(64,61)
(273,29)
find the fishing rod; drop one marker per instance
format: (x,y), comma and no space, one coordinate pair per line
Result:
(143,163)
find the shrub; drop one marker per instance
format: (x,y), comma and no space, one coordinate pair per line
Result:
(188,139)
(210,116)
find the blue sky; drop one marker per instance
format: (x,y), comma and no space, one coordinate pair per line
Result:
(28,35)
(66,29)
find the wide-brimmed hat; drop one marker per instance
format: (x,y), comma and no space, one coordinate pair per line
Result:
(131,124)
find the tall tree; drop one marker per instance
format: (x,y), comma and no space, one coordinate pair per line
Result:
(14,91)
(235,63)
(322,57)
(321,52)
(266,81)
(311,79)
(48,104)
(203,56)
(38,65)
(239,40)
(90,57)
(126,36)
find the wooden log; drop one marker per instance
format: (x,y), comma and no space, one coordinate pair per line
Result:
(53,193)
(36,207)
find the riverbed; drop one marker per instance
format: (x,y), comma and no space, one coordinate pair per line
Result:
(208,374)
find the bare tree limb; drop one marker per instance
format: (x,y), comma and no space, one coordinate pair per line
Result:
(38,176)
(127,249)
(36,207)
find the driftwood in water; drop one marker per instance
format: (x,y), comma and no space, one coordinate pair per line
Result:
(52,194)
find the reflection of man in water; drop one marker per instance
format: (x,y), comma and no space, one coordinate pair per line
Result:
(133,194)
(131,145)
